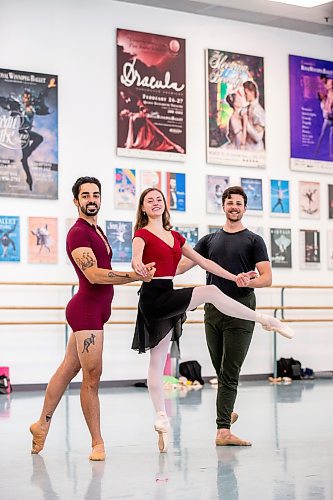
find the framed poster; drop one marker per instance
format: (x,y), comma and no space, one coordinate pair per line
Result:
(309,200)
(190,233)
(119,235)
(151,87)
(253,190)
(42,240)
(151,179)
(216,184)
(330,201)
(9,238)
(176,192)
(309,249)
(281,247)
(280,198)
(124,188)
(311,100)
(330,249)
(28,134)
(235,109)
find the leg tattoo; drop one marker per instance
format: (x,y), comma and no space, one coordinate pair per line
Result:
(88,341)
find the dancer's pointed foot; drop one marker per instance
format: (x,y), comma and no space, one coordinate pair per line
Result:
(39,434)
(97,453)
(225,438)
(272,324)
(162,428)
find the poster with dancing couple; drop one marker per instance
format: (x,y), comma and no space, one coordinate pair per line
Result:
(309,200)
(119,235)
(216,184)
(309,249)
(28,135)
(235,109)
(176,191)
(280,198)
(42,240)
(151,94)
(281,247)
(311,114)
(9,238)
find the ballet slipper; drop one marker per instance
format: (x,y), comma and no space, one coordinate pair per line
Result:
(38,438)
(234,417)
(274,325)
(162,428)
(231,440)
(97,453)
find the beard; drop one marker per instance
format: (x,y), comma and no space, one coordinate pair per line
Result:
(232,217)
(90,210)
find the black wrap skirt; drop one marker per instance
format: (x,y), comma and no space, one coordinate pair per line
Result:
(160,309)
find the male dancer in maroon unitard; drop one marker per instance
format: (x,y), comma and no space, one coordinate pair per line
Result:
(87,312)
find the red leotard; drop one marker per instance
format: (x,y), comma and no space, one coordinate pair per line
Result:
(166,258)
(90,307)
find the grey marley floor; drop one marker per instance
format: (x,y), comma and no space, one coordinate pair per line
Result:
(290,426)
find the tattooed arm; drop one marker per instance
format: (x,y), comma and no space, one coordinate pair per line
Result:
(86,261)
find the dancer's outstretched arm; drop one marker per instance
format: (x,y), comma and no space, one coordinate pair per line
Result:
(242,279)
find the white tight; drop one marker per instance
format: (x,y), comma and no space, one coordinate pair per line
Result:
(226,305)
(158,356)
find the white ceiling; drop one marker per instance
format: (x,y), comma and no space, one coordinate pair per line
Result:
(278,15)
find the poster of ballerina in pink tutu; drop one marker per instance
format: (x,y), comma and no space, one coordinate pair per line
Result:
(151,92)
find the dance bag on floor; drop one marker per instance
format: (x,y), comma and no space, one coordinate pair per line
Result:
(5,387)
(289,367)
(192,371)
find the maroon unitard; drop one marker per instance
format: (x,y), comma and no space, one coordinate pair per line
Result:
(90,307)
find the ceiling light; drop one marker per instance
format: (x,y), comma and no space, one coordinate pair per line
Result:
(303,3)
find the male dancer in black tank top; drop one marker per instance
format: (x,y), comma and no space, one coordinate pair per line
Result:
(236,249)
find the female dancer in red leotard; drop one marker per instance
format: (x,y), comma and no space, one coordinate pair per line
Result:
(162,309)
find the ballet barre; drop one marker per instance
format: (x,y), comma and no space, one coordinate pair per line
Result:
(280,309)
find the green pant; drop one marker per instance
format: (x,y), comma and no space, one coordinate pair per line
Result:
(228,341)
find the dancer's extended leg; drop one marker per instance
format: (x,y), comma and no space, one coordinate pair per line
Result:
(55,389)
(158,356)
(211,294)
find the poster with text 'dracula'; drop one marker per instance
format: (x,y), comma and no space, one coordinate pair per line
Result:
(235,109)
(311,114)
(28,135)
(151,96)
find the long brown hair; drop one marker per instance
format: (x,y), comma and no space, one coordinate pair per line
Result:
(141,217)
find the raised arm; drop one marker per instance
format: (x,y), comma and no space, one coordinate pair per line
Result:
(86,261)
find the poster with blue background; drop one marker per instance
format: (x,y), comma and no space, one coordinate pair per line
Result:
(311,114)
(9,238)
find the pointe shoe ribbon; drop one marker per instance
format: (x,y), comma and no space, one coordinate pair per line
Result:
(38,438)
(162,428)
(97,453)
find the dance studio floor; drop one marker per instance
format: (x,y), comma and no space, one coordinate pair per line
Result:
(291,428)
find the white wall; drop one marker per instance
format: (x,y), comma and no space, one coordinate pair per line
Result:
(76,39)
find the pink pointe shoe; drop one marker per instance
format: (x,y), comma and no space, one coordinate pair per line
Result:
(162,427)
(272,324)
